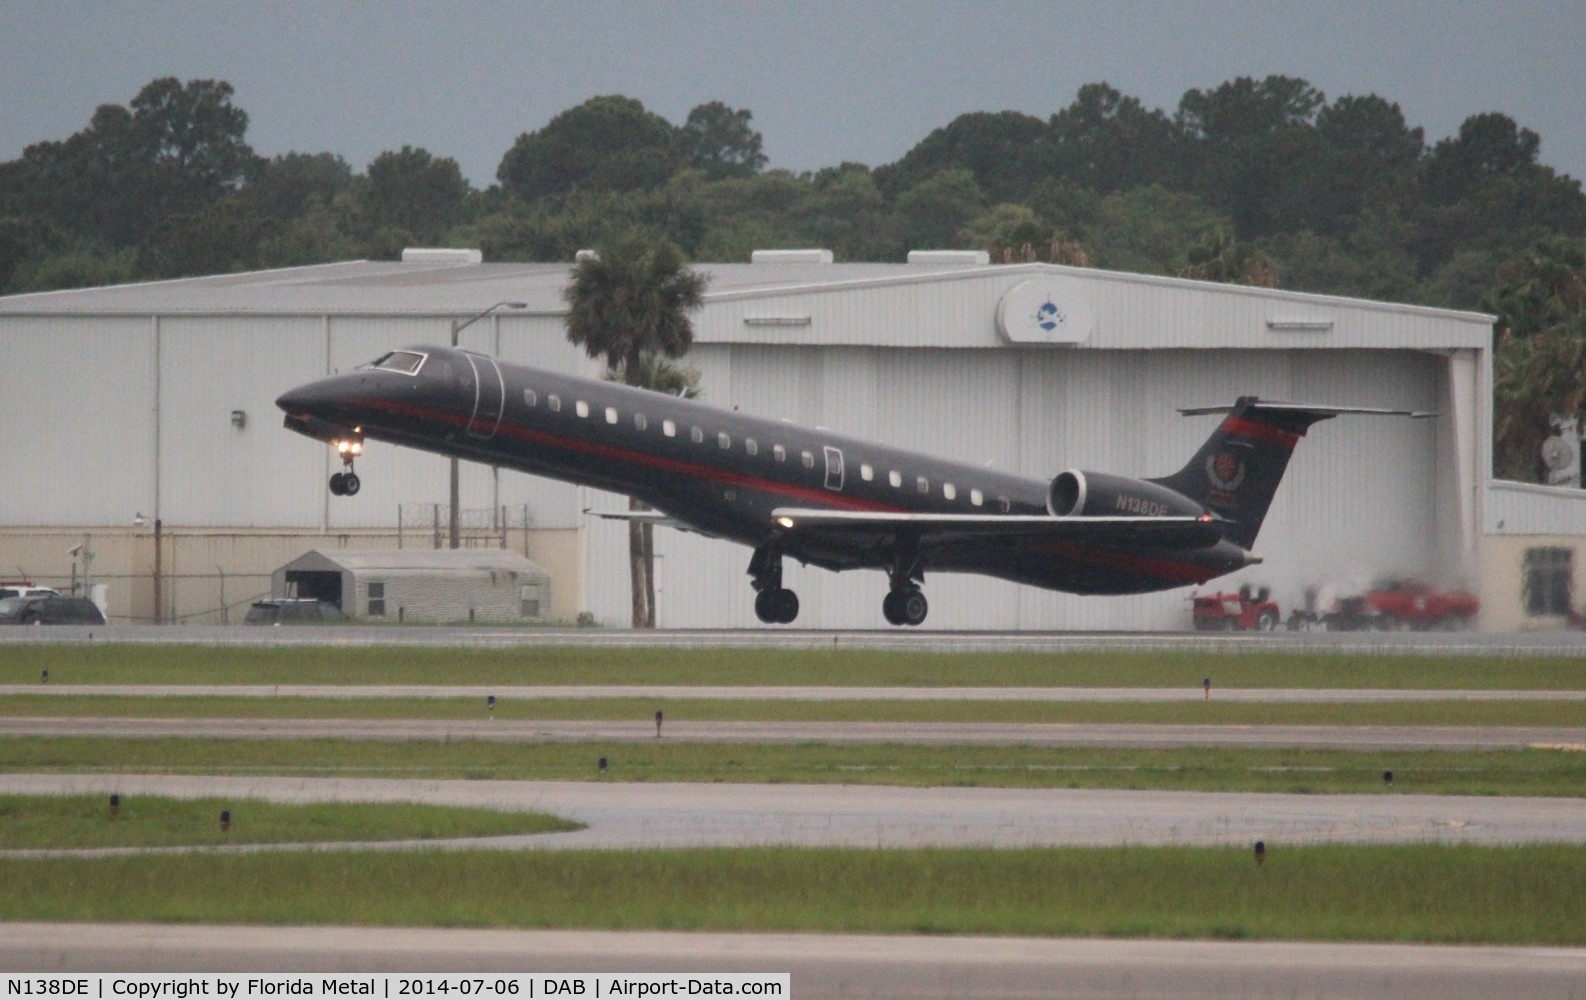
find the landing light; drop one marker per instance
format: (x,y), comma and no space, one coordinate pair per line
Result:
(349,447)
(786,522)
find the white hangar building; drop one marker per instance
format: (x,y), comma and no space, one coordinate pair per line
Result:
(149,403)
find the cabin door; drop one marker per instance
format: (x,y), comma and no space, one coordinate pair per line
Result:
(489,393)
(834,469)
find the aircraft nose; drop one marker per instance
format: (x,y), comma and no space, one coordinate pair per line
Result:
(309,399)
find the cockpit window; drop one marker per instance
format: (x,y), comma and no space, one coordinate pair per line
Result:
(406,362)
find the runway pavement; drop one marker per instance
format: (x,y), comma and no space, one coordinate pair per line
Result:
(365,692)
(825,965)
(1555,643)
(933,733)
(641,815)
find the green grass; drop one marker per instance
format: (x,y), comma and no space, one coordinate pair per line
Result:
(1554,773)
(1425,893)
(144,664)
(1214,712)
(85,821)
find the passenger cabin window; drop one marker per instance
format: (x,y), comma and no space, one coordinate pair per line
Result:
(977,498)
(866,472)
(582,408)
(922,485)
(949,491)
(779,453)
(668,428)
(895,478)
(696,435)
(640,422)
(1003,505)
(724,440)
(553,403)
(808,460)
(751,446)
(611,414)
(530,398)
(406,362)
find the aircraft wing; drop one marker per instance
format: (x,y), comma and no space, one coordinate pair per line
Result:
(655,517)
(946,529)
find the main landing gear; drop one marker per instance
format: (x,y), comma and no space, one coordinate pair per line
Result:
(774,604)
(905,603)
(347,484)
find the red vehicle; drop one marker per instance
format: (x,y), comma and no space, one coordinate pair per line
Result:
(1413,604)
(1247,611)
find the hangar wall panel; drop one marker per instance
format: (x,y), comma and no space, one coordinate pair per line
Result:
(79,396)
(1360,498)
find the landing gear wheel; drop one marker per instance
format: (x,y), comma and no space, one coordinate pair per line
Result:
(889,608)
(776,606)
(338,484)
(905,607)
(351,484)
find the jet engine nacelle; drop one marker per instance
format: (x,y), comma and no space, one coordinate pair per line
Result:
(1096,494)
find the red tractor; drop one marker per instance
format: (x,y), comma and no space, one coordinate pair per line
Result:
(1250,610)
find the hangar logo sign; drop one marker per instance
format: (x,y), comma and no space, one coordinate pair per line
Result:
(1045,310)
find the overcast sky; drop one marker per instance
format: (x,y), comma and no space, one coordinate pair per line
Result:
(826,80)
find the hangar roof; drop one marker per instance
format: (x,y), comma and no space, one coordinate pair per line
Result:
(925,303)
(394,288)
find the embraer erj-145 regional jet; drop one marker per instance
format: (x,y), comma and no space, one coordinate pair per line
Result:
(826,500)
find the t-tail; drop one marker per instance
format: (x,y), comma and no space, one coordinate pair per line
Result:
(1236,472)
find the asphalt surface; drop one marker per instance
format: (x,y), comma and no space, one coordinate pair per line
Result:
(1561,643)
(824,965)
(367,692)
(935,733)
(628,815)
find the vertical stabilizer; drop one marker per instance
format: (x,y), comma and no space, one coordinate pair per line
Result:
(1237,471)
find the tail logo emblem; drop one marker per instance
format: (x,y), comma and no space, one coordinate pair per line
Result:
(1225,470)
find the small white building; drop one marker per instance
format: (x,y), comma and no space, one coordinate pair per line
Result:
(421,585)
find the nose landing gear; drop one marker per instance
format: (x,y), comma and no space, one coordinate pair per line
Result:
(347,484)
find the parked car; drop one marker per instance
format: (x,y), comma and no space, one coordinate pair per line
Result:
(49,610)
(1400,603)
(26,590)
(1249,610)
(292,611)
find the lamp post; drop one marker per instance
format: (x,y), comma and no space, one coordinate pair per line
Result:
(457,327)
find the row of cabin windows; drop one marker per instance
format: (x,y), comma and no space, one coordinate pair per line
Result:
(751,447)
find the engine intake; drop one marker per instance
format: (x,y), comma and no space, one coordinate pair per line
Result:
(1095,494)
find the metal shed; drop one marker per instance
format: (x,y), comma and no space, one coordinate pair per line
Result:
(421,585)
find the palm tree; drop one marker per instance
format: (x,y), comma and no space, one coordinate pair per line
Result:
(629,304)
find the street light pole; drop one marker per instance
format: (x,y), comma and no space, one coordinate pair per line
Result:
(457,327)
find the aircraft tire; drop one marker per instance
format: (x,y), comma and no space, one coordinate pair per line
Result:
(913,607)
(889,608)
(785,605)
(762,607)
(351,484)
(338,485)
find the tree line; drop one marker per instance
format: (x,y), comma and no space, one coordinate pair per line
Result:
(1257,181)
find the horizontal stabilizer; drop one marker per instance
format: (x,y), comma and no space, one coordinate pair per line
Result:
(1318,411)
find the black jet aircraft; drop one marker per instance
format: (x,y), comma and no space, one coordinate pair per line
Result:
(826,500)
